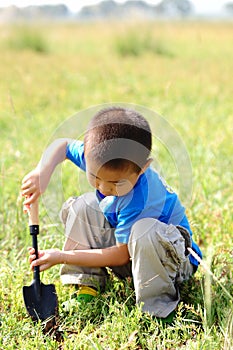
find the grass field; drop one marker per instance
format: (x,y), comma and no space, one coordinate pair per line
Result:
(183,72)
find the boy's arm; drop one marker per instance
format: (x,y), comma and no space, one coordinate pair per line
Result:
(112,256)
(36,182)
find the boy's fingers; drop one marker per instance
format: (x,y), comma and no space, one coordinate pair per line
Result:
(26,184)
(42,263)
(32,198)
(31,250)
(41,267)
(28,190)
(28,187)
(32,258)
(33,264)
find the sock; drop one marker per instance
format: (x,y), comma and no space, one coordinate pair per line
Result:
(86,293)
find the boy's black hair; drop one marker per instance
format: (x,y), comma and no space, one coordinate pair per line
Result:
(117,138)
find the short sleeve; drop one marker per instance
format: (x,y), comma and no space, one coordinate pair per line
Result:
(75,153)
(125,222)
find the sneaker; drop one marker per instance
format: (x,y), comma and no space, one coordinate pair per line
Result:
(84,295)
(169,319)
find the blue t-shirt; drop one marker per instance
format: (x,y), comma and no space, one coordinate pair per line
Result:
(150,197)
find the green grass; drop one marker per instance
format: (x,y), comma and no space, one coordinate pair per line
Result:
(28,38)
(82,68)
(136,43)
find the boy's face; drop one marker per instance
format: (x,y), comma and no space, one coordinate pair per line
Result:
(111,182)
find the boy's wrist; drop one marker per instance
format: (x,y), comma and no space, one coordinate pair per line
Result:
(63,257)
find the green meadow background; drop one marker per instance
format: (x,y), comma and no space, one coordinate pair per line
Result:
(181,70)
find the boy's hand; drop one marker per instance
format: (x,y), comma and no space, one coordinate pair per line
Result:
(33,185)
(46,258)
(30,188)
(36,182)
(30,185)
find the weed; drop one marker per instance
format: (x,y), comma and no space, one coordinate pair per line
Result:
(136,43)
(28,38)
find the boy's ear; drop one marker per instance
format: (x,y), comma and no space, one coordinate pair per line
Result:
(148,163)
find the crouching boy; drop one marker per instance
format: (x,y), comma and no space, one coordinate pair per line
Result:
(133,223)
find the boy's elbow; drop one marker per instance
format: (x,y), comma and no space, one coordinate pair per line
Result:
(119,261)
(124,257)
(125,261)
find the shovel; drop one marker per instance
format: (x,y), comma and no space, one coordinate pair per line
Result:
(40,299)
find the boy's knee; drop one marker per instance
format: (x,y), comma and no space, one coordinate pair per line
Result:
(78,206)
(143,227)
(64,212)
(151,239)
(149,235)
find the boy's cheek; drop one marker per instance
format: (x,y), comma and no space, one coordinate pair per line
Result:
(91,181)
(123,190)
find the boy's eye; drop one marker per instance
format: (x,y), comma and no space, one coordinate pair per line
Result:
(120,183)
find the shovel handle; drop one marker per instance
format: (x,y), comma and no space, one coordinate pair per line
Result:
(33,221)
(33,214)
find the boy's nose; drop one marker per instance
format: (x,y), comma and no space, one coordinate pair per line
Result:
(105,189)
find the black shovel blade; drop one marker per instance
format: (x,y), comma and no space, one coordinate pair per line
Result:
(41,303)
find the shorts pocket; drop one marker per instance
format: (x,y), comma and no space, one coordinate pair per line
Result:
(172,249)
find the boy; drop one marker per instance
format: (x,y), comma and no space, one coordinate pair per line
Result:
(133,223)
